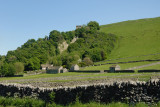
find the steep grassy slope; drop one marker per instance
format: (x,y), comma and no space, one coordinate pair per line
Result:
(136,38)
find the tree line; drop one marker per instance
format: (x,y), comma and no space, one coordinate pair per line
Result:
(92,45)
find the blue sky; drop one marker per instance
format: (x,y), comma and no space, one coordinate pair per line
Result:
(21,20)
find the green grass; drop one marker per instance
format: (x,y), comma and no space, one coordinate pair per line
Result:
(18,102)
(152,67)
(70,77)
(60,75)
(30,102)
(95,104)
(136,38)
(123,66)
(40,76)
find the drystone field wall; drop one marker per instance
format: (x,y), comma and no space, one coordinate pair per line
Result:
(124,91)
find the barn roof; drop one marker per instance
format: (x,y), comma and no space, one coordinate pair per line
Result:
(55,67)
(46,65)
(73,65)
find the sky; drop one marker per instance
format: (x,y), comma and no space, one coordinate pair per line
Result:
(21,20)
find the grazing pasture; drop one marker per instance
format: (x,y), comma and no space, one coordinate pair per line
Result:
(72,79)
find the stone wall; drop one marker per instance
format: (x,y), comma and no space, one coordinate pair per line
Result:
(85,71)
(124,91)
(146,71)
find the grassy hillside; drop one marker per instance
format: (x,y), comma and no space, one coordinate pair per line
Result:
(136,38)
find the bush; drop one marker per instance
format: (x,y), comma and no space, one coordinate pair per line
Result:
(19,66)
(11,70)
(87,61)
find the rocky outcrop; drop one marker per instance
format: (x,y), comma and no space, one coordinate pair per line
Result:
(62,47)
(124,91)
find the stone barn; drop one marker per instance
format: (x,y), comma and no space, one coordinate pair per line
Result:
(74,67)
(113,68)
(63,70)
(54,70)
(45,66)
(78,26)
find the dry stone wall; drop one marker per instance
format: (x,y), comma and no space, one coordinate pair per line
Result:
(124,91)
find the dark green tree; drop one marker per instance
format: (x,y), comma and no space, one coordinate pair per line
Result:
(87,61)
(81,32)
(33,64)
(4,69)
(94,26)
(11,70)
(19,67)
(73,47)
(28,43)
(55,36)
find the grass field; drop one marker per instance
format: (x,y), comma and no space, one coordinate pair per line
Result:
(70,76)
(123,66)
(136,38)
(152,67)
(76,79)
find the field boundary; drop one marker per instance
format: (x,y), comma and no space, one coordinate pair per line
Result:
(142,66)
(132,91)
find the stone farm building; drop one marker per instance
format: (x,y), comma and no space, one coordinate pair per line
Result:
(45,66)
(56,70)
(78,26)
(74,67)
(113,68)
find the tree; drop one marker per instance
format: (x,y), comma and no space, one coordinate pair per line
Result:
(81,32)
(11,70)
(54,61)
(94,26)
(29,66)
(19,66)
(87,61)
(36,63)
(4,69)
(68,36)
(28,43)
(55,36)
(1,69)
(43,58)
(103,55)
(11,58)
(33,64)
(57,61)
(73,47)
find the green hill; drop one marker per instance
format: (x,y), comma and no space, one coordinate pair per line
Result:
(125,41)
(59,49)
(136,38)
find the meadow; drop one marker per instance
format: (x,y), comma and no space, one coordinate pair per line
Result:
(136,38)
(72,79)
(123,66)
